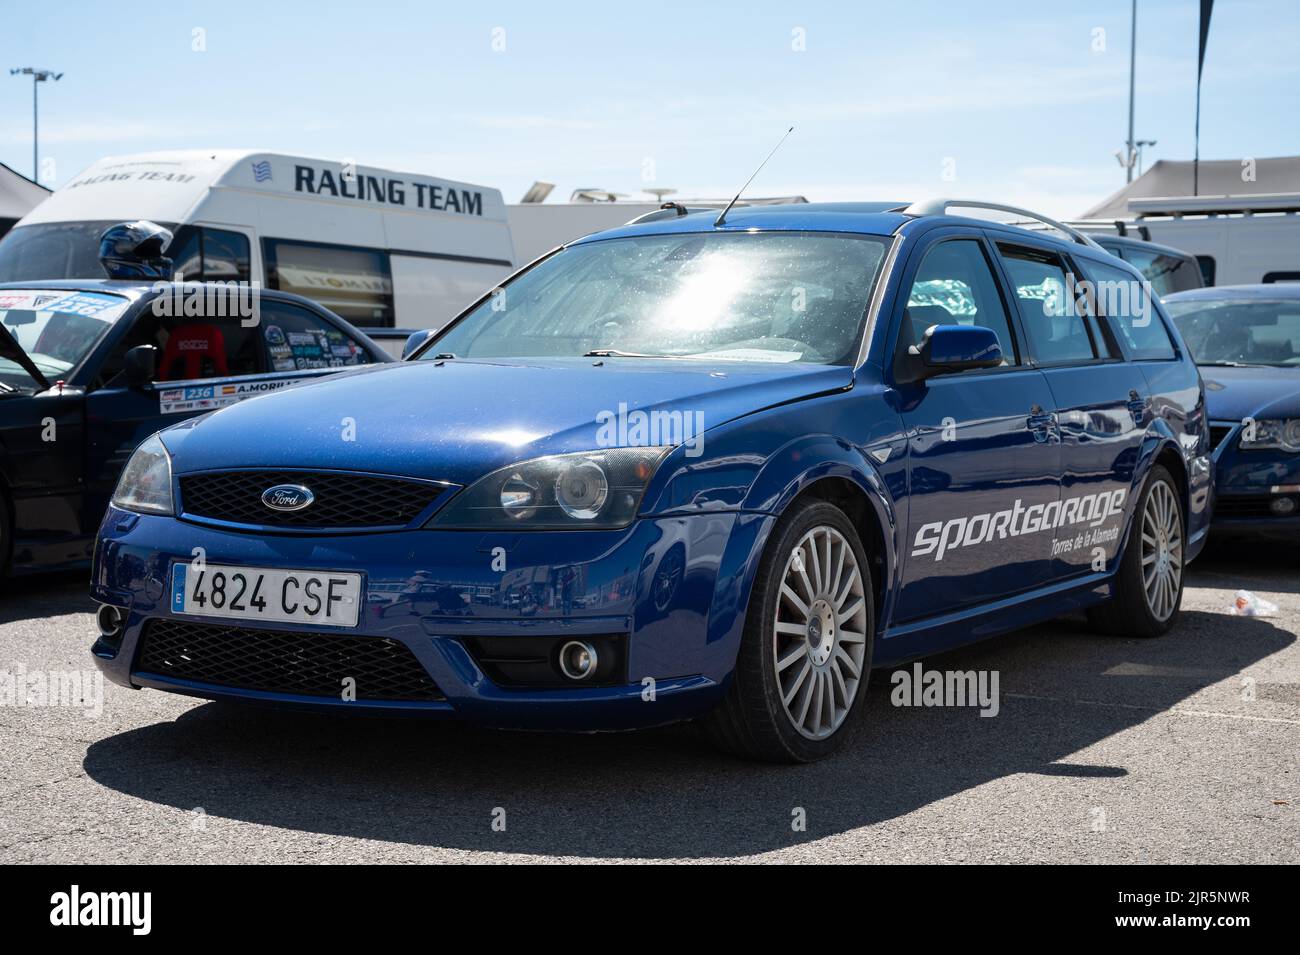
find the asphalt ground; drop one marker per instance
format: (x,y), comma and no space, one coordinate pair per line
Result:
(1181,749)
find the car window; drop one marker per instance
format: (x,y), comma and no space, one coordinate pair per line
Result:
(734,296)
(56,329)
(1124,301)
(954,285)
(1046,293)
(297,338)
(354,283)
(1240,331)
(1166,273)
(195,347)
(203,254)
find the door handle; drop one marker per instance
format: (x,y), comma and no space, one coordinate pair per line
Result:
(1039,420)
(1040,423)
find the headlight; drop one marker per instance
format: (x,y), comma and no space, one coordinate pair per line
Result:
(597,489)
(1271,433)
(146,482)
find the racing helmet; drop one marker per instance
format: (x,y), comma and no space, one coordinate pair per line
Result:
(134,250)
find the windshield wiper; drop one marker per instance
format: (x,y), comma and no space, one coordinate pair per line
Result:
(1237,364)
(615,353)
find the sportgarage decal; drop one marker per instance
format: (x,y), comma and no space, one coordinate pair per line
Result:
(1091,509)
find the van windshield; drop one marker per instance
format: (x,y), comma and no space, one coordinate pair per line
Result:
(773,297)
(53,250)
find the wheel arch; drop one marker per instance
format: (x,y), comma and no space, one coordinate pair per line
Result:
(823,468)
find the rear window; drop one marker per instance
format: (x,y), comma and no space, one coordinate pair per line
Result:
(1166,273)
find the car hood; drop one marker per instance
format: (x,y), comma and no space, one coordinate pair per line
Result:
(457,420)
(1251,392)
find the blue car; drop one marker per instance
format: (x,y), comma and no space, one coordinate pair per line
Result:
(715,466)
(1246,338)
(90,368)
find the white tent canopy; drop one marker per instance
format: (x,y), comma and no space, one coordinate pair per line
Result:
(18,194)
(1224,185)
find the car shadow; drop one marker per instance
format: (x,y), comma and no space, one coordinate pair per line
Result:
(35,596)
(666,793)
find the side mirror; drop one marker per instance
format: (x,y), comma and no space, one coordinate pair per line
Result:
(948,348)
(139,365)
(415,340)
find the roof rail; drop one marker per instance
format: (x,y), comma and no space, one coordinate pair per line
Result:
(938,207)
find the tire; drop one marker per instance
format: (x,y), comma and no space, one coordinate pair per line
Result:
(1157,540)
(787,716)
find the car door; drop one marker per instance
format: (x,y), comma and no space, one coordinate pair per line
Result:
(984,456)
(40,459)
(1102,404)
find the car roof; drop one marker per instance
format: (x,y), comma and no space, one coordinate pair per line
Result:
(1128,241)
(863,218)
(1272,290)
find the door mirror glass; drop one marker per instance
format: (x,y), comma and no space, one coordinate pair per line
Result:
(415,340)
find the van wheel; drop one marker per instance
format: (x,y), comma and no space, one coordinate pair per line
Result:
(805,654)
(1149,582)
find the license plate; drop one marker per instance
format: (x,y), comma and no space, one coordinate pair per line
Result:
(323,598)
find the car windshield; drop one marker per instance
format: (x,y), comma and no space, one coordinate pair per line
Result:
(773,297)
(1240,331)
(52,250)
(57,329)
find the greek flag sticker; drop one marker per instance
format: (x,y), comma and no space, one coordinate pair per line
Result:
(262,171)
(178,588)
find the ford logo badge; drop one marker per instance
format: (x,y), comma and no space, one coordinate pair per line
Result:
(287,497)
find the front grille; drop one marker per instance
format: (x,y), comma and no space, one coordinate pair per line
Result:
(1219,433)
(342,499)
(1250,505)
(278,661)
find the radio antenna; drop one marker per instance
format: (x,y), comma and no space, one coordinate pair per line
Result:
(722,216)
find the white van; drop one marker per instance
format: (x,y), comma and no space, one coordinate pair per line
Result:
(380,248)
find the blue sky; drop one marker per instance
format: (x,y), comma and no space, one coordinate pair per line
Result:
(1013,98)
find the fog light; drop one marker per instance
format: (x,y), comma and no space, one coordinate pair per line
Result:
(1282,505)
(577,660)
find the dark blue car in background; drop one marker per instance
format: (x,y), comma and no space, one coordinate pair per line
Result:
(701,466)
(1246,338)
(89,369)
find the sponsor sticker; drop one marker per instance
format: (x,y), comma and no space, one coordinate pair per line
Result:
(217,395)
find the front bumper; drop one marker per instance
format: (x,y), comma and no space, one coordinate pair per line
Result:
(1257,492)
(671,590)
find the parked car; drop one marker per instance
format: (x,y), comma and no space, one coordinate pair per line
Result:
(1246,338)
(1166,268)
(90,368)
(712,466)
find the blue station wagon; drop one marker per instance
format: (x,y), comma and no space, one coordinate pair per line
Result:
(703,466)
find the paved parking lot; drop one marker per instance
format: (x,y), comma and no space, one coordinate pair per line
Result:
(1183,749)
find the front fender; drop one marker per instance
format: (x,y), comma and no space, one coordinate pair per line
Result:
(789,472)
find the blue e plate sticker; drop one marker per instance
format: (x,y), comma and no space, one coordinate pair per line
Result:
(178,588)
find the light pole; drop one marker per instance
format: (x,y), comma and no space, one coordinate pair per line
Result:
(38,76)
(1132,80)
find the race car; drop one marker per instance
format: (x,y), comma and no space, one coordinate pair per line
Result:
(88,369)
(706,465)
(1246,338)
